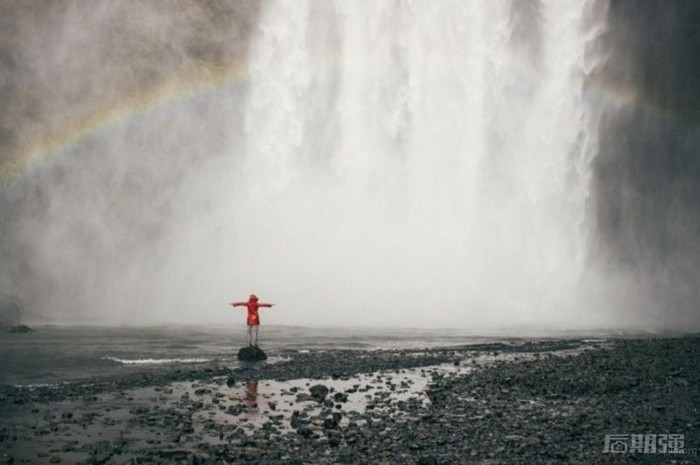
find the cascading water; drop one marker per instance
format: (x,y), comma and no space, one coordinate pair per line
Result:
(418,156)
(455,163)
(416,163)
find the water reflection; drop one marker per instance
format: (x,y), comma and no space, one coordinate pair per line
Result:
(251,393)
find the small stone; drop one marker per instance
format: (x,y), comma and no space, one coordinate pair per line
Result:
(340,397)
(334,442)
(304,431)
(318,392)
(330,423)
(187,428)
(173,454)
(427,460)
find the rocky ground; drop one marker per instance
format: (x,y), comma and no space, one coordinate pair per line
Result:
(536,402)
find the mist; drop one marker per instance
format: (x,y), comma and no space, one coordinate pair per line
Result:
(470,165)
(647,173)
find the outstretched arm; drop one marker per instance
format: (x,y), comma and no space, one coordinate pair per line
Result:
(265,305)
(238,304)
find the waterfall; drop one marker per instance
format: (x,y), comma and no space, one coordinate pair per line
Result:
(417,163)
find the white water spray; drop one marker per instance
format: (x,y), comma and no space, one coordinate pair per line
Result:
(413,163)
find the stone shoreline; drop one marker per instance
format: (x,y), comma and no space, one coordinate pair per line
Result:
(550,401)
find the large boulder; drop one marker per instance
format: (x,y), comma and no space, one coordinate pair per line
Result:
(251,354)
(21,329)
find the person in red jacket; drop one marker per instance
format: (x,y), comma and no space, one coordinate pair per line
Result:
(253,318)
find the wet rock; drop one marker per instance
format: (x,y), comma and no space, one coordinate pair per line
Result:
(252,453)
(330,423)
(305,431)
(297,420)
(235,410)
(427,460)
(21,329)
(187,428)
(135,411)
(334,441)
(318,392)
(251,354)
(101,457)
(173,454)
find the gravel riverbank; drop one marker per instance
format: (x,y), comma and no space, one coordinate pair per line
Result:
(511,403)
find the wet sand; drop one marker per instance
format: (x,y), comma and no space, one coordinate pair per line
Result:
(534,402)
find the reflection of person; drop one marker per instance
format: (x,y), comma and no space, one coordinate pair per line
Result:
(253,318)
(251,393)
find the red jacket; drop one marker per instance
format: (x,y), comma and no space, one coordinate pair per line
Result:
(253,306)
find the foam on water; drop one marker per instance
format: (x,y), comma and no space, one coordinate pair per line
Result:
(155,361)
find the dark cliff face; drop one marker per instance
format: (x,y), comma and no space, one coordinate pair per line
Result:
(647,173)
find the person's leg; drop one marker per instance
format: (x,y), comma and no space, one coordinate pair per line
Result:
(248,334)
(255,335)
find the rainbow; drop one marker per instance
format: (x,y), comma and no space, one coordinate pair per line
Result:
(614,93)
(208,78)
(203,80)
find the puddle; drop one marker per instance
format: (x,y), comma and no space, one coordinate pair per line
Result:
(189,414)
